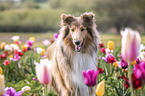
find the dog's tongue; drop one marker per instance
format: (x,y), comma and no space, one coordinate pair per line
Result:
(78,48)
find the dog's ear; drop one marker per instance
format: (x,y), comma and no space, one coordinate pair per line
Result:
(67,19)
(88,18)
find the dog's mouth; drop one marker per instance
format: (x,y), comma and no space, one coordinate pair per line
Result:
(78,47)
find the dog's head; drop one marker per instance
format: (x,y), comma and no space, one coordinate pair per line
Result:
(79,29)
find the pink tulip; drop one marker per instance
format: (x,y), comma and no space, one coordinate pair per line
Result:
(131,41)
(90,77)
(139,71)
(42,71)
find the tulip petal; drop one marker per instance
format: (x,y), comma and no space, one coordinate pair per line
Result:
(94,78)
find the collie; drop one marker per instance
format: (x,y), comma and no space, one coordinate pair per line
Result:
(74,50)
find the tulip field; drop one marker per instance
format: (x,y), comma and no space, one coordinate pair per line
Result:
(121,60)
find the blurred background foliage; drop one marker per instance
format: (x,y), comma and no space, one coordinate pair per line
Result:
(44,15)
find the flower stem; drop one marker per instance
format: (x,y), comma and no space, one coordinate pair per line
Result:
(142,91)
(45,90)
(130,80)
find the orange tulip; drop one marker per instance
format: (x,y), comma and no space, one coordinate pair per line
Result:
(2,85)
(1,70)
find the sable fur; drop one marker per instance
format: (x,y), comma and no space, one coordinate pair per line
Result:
(67,64)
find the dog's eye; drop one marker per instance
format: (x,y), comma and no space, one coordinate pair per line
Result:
(82,29)
(72,29)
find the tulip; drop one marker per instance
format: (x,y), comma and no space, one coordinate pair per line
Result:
(3,56)
(100,89)
(100,70)
(142,56)
(2,45)
(103,50)
(6,47)
(109,58)
(124,64)
(110,45)
(101,45)
(42,71)
(29,43)
(90,77)
(43,52)
(32,39)
(131,41)
(115,64)
(46,42)
(18,43)
(26,88)
(2,85)
(24,48)
(1,70)
(139,71)
(56,36)
(39,50)
(6,62)
(12,92)
(15,38)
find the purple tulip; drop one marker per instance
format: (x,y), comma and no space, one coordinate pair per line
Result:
(139,71)
(124,64)
(12,92)
(90,77)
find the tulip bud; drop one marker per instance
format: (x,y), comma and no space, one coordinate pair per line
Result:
(131,41)
(100,88)
(2,85)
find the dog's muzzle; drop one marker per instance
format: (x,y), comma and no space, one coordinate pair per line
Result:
(78,45)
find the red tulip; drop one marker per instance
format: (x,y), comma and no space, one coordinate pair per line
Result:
(6,62)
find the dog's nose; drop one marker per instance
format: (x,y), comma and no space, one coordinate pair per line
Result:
(77,42)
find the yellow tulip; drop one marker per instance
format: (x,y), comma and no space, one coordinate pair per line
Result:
(110,45)
(115,64)
(133,63)
(100,88)
(1,70)
(32,39)
(3,45)
(43,52)
(2,85)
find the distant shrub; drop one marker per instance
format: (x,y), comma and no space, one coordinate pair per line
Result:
(30,20)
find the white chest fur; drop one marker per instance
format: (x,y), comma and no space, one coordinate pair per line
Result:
(82,62)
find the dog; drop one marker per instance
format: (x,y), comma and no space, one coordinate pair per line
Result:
(74,50)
